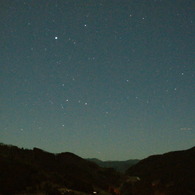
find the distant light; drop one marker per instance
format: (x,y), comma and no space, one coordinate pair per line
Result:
(56,38)
(185,129)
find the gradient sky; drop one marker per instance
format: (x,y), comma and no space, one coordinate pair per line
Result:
(111,79)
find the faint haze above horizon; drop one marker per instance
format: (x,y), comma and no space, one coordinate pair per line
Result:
(112,80)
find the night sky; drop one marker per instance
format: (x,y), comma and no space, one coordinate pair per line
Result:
(111,79)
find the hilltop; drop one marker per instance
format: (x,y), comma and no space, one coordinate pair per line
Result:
(172,173)
(24,170)
(33,172)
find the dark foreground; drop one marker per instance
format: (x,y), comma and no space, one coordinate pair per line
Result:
(36,172)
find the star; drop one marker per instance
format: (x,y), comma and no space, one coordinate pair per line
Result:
(51,102)
(185,129)
(93,73)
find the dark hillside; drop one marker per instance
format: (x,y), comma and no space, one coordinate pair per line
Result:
(35,170)
(172,173)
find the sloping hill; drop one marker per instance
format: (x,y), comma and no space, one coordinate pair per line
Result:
(120,166)
(23,170)
(172,173)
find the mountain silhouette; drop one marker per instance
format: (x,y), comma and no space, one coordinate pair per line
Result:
(24,171)
(120,166)
(172,173)
(30,171)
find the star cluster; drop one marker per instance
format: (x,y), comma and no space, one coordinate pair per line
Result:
(106,79)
